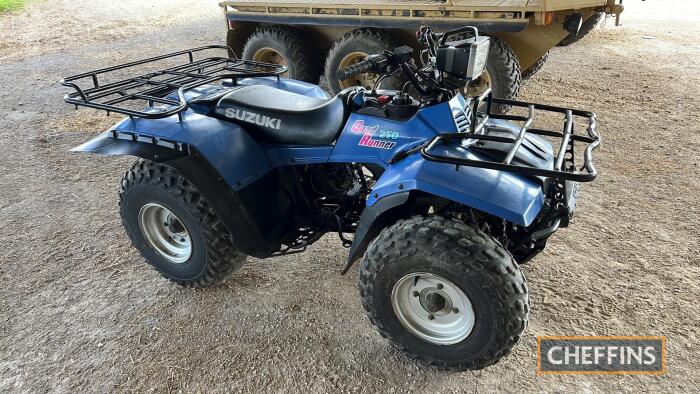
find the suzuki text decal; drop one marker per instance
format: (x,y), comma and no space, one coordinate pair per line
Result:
(373,137)
(252,117)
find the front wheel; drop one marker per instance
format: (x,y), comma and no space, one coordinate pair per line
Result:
(444,292)
(174,228)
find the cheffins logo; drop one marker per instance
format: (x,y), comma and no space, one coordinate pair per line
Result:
(601,355)
(373,136)
(253,118)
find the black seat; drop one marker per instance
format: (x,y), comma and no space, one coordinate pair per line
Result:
(280,117)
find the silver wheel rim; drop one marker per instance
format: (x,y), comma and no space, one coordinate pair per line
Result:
(433,308)
(165,232)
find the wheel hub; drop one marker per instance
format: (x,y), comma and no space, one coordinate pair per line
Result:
(433,308)
(165,233)
(174,226)
(479,85)
(269,55)
(435,301)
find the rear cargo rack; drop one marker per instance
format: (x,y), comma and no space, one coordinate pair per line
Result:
(160,93)
(564,166)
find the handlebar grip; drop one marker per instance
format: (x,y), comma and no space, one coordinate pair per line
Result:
(358,68)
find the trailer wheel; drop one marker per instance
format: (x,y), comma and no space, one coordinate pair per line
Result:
(286,46)
(444,292)
(535,68)
(352,48)
(588,26)
(502,74)
(174,228)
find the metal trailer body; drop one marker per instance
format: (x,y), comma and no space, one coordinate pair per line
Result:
(530,27)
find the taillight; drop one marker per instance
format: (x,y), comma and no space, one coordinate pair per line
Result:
(548,17)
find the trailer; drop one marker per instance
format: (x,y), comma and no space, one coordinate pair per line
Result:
(314,38)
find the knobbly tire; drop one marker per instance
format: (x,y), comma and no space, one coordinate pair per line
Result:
(368,41)
(504,72)
(586,27)
(535,68)
(291,45)
(504,68)
(147,186)
(467,258)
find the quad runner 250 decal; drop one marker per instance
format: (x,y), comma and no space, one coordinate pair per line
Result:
(252,117)
(373,136)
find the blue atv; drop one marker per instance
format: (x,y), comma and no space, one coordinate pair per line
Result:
(440,197)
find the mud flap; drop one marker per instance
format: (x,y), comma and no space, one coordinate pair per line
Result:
(372,221)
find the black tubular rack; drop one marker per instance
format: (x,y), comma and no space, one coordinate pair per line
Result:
(564,166)
(144,91)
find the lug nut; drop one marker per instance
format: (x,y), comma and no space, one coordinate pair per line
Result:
(431,317)
(182,240)
(416,294)
(455,310)
(439,286)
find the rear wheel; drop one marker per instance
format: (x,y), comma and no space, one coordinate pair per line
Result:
(174,228)
(536,67)
(286,46)
(444,292)
(502,74)
(352,48)
(586,27)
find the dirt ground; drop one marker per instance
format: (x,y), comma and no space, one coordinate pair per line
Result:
(81,312)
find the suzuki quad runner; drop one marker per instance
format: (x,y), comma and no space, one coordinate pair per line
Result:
(444,197)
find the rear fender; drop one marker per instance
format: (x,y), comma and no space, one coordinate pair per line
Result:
(235,156)
(219,158)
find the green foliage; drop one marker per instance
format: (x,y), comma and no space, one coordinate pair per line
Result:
(11,5)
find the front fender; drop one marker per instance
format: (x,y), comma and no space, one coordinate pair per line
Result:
(374,219)
(503,194)
(506,195)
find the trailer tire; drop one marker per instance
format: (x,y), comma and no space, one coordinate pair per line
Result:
(205,255)
(502,74)
(535,68)
(366,41)
(283,45)
(484,307)
(586,27)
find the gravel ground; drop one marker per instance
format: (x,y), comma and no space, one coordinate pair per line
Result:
(81,312)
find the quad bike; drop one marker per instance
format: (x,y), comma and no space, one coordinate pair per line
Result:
(445,198)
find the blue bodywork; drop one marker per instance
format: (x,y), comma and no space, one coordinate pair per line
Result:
(240,160)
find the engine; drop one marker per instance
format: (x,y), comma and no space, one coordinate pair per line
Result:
(334,181)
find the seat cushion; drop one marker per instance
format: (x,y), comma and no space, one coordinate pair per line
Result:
(277,116)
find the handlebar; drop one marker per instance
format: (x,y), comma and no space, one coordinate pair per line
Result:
(442,74)
(378,64)
(372,62)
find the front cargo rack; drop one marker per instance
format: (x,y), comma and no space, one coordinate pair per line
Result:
(563,166)
(160,93)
